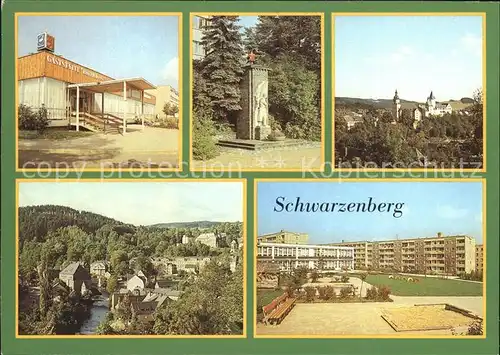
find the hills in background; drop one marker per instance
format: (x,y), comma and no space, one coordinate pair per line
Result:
(387,103)
(194,224)
(35,222)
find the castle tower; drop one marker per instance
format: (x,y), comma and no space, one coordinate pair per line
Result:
(431,101)
(397,106)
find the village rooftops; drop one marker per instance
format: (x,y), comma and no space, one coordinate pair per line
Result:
(72,268)
(165,283)
(144,307)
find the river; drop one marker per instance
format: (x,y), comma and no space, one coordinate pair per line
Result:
(98,312)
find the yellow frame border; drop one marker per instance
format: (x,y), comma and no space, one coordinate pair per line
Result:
(381,14)
(97,14)
(368,180)
(139,181)
(323,118)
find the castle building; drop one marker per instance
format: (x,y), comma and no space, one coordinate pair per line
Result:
(430,108)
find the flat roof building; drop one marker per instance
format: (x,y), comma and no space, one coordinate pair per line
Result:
(165,94)
(448,255)
(284,236)
(199,23)
(479,258)
(292,256)
(69,90)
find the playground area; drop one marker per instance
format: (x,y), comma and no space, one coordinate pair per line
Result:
(405,315)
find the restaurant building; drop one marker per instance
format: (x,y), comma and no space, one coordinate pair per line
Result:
(80,97)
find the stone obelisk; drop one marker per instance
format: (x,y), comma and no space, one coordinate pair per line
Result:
(253,121)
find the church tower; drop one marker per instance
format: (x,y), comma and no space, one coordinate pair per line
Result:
(431,101)
(397,106)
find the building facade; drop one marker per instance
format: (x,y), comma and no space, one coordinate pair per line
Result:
(99,268)
(292,256)
(164,94)
(284,237)
(479,257)
(199,24)
(64,87)
(76,277)
(447,255)
(209,239)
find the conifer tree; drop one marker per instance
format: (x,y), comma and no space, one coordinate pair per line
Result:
(221,68)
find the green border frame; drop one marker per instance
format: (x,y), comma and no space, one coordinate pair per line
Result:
(10,345)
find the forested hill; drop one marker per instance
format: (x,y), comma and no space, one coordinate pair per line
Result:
(195,224)
(36,221)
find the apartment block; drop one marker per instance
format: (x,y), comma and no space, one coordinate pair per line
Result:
(451,255)
(284,237)
(479,257)
(199,24)
(291,256)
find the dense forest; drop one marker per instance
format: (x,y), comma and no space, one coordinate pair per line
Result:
(377,140)
(51,237)
(288,45)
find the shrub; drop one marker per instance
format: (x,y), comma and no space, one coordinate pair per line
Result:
(171,123)
(310,293)
(329,293)
(344,279)
(276,136)
(372,293)
(322,293)
(314,276)
(204,146)
(383,293)
(33,121)
(476,328)
(273,123)
(345,292)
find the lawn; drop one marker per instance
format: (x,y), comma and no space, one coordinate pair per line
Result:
(264,297)
(427,286)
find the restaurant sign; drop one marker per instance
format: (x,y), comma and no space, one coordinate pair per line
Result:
(75,67)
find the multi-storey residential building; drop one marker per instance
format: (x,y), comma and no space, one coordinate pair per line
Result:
(199,24)
(479,257)
(451,255)
(284,237)
(165,94)
(291,256)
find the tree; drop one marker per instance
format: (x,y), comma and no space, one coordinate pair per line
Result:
(363,278)
(44,302)
(314,276)
(293,99)
(297,37)
(112,283)
(212,304)
(221,67)
(204,147)
(170,109)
